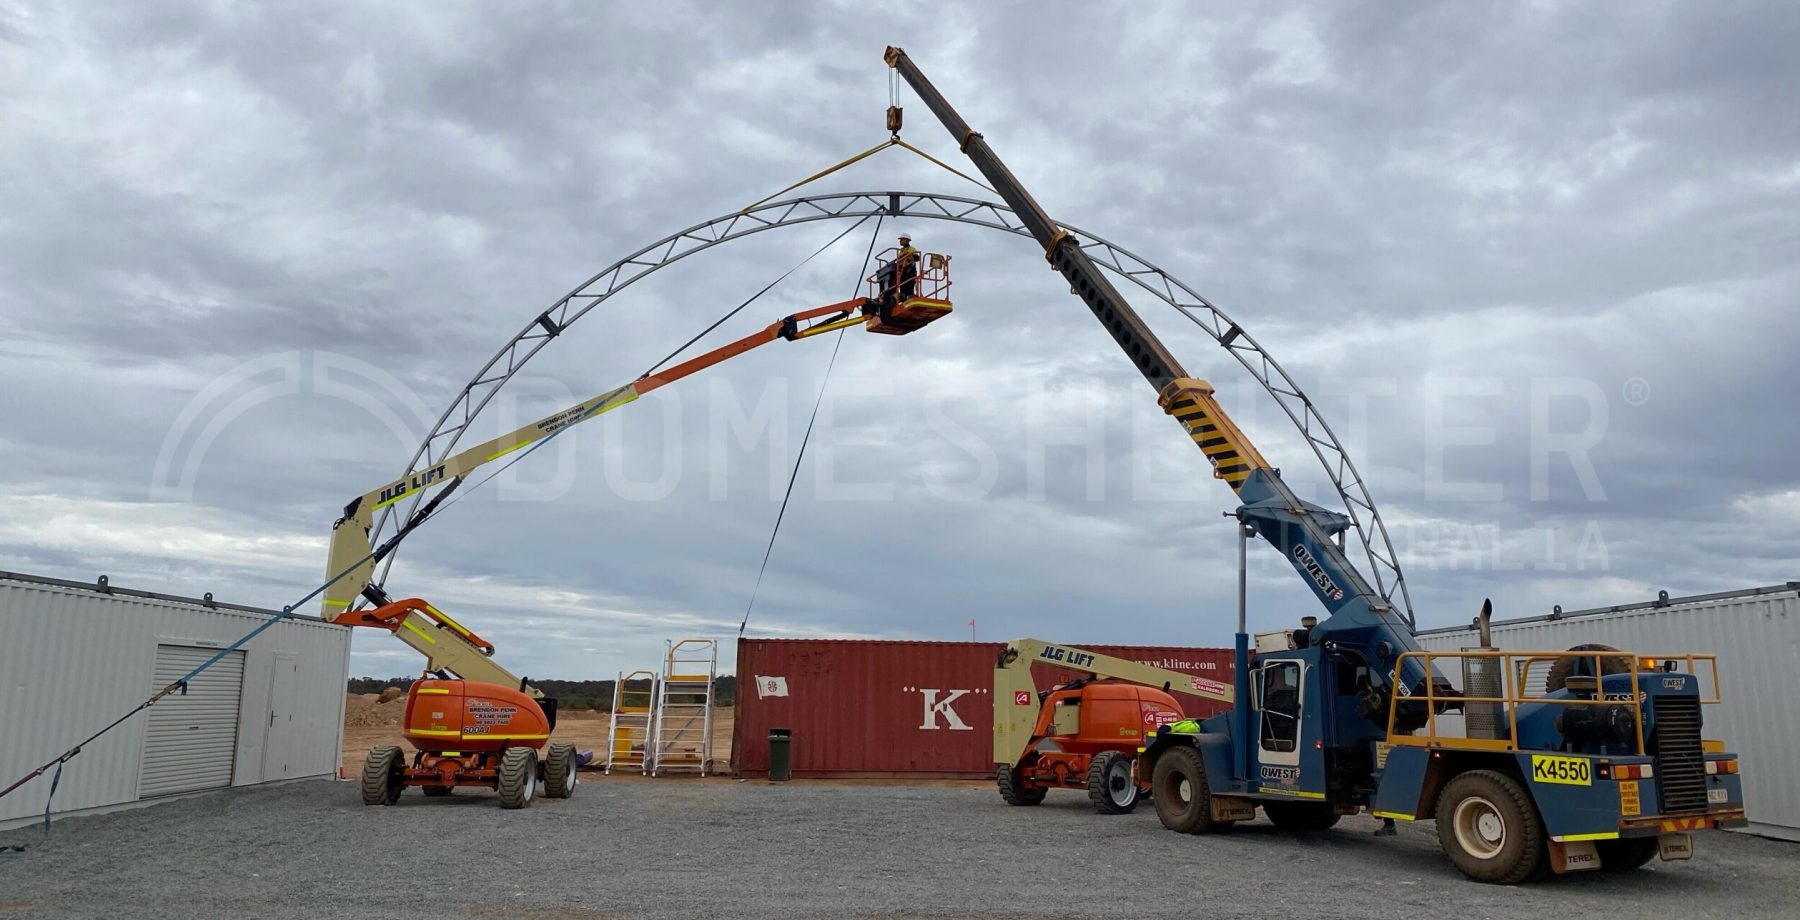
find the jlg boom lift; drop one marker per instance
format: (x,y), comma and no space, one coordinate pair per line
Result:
(1083,733)
(1606,770)
(476,723)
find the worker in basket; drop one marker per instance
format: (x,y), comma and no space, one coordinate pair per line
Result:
(906,270)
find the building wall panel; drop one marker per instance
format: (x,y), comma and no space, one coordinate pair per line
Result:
(886,708)
(1756,635)
(74,658)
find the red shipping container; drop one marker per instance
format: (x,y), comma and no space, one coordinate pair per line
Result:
(880,708)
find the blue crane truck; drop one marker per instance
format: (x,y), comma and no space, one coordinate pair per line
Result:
(1602,767)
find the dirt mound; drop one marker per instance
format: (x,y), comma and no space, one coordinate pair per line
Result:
(391,694)
(368,709)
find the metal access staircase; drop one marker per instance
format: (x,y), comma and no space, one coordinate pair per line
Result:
(628,737)
(684,711)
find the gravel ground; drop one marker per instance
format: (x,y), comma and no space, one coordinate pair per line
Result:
(718,848)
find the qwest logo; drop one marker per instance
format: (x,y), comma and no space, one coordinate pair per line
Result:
(935,707)
(1319,576)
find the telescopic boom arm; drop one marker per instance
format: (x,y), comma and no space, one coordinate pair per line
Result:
(1304,533)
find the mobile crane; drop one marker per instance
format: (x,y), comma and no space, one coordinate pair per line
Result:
(1083,733)
(477,723)
(1605,771)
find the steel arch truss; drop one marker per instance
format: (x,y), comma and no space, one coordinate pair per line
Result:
(1371,531)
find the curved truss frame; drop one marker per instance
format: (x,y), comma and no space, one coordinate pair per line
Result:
(1365,518)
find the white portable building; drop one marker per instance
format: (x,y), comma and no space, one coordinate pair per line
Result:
(75,656)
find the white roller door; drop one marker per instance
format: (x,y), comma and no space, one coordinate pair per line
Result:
(191,739)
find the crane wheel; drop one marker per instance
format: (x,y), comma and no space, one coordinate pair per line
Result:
(518,777)
(1300,817)
(1562,668)
(381,776)
(1013,788)
(1179,791)
(1489,828)
(1625,855)
(1110,784)
(559,771)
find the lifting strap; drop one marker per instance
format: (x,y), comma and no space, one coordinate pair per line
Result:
(894,141)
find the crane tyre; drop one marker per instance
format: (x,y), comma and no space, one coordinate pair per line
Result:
(381,776)
(1013,788)
(1179,791)
(1489,828)
(1625,855)
(559,771)
(518,777)
(1110,784)
(1300,817)
(1562,668)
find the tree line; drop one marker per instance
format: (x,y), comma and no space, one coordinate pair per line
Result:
(569,694)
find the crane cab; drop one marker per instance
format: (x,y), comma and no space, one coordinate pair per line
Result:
(907,294)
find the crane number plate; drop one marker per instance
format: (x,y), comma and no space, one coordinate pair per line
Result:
(1567,771)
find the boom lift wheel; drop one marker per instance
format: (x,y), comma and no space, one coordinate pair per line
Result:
(1013,788)
(1179,791)
(559,771)
(1110,784)
(381,776)
(1489,828)
(518,777)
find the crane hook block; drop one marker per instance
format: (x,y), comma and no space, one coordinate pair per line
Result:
(894,118)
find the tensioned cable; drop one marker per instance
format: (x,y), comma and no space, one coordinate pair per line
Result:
(794,474)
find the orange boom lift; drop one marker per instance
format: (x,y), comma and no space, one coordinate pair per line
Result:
(471,721)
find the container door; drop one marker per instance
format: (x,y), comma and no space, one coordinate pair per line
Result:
(280,749)
(191,741)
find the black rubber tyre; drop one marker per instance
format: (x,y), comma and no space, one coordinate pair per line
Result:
(518,777)
(1625,855)
(1179,791)
(1110,784)
(1300,817)
(1014,790)
(559,771)
(381,776)
(436,792)
(1489,828)
(1561,668)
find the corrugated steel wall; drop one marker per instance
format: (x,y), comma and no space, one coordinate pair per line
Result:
(73,659)
(1757,639)
(884,708)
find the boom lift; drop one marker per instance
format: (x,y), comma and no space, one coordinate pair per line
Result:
(1081,734)
(1604,771)
(485,726)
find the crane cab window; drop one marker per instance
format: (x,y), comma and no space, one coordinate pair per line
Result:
(1278,694)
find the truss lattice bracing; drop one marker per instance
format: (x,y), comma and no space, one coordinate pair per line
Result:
(1371,531)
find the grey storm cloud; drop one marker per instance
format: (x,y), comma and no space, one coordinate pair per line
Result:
(1433,215)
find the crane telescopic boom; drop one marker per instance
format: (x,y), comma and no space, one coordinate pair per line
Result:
(1305,534)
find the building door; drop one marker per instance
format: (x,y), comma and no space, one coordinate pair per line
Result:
(280,754)
(191,740)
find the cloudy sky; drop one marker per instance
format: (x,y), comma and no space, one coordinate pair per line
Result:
(1536,263)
